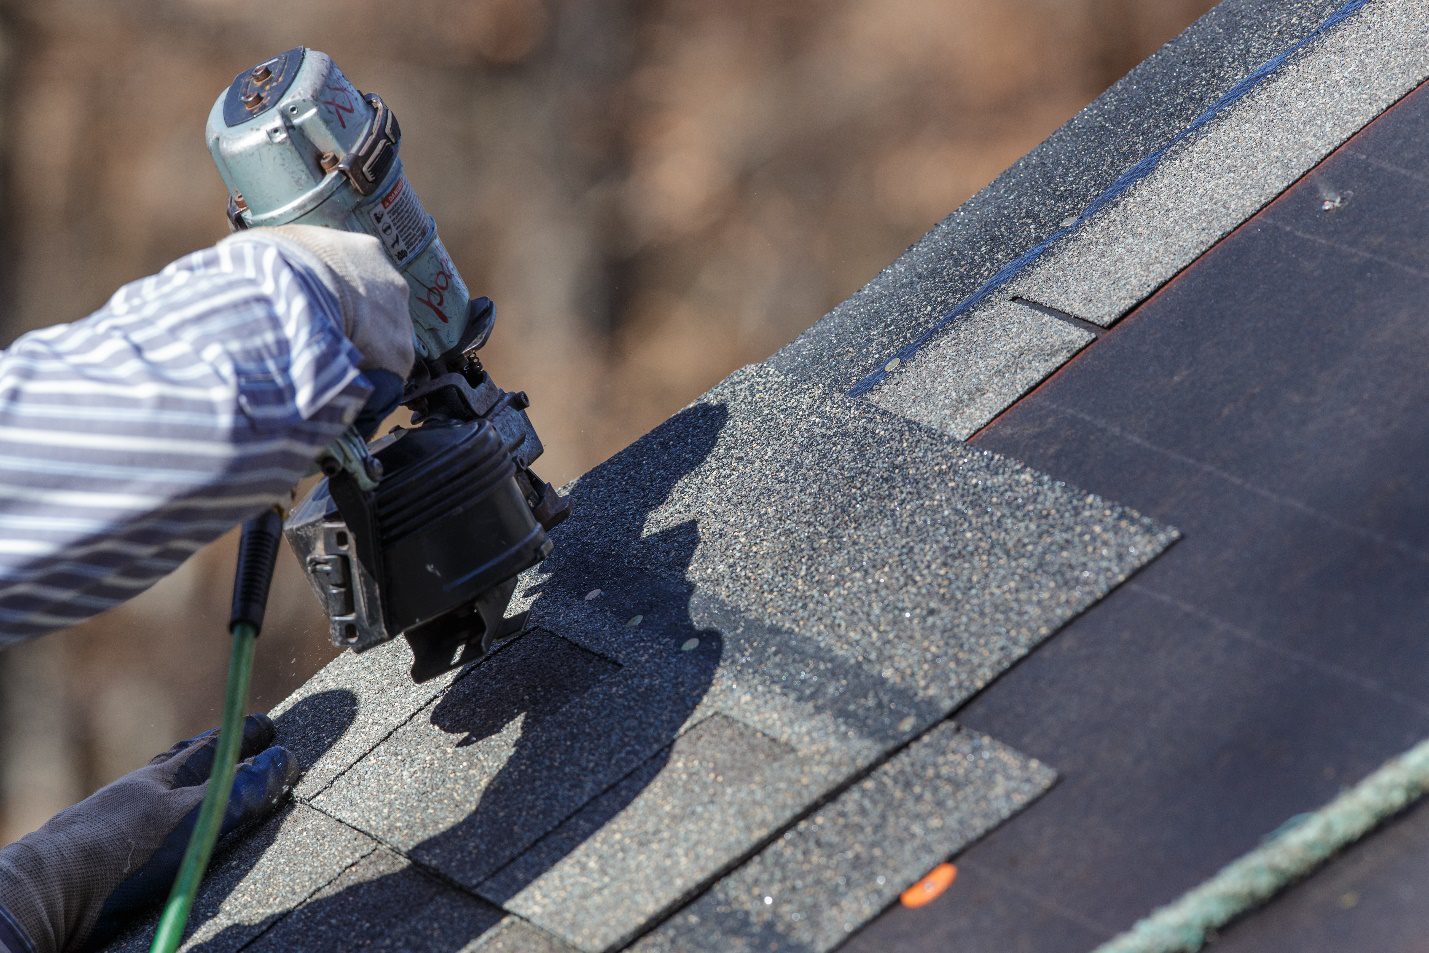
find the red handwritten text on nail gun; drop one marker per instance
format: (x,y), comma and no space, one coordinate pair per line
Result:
(435,294)
(340,100)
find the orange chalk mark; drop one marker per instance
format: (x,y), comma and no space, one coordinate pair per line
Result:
(931,887)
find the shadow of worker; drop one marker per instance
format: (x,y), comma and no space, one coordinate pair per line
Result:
(539,745)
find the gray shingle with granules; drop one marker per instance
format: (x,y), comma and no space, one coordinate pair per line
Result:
(840,866)
(382,903)
(343,711)
(476,776)
(873,538)
(693,808)
(1219,177)
(259,878)
(987,359)
(514,935)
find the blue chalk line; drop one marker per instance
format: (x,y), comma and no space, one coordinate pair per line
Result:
(1125,181)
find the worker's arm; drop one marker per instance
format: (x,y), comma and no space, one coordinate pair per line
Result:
(190,401)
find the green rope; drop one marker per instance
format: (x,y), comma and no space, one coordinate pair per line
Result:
(210,818)
(1291,853)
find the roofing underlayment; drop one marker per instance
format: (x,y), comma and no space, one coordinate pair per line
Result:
(765,683)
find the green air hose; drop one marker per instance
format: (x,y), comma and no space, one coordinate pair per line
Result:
(215,802)
(257,552)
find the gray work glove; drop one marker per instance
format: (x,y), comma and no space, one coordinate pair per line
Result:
(74,883)
(371,293)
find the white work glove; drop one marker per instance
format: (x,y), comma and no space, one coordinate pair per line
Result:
(371,293)
(76,881)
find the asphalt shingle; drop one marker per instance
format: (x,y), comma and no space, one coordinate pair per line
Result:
(475,777)
(265,874)
(838,867)
(915,556)
(382,903)
(1209,184)
(690,810)
(531,736)
(514,935)
(339,714)
(987,359)
(821,703)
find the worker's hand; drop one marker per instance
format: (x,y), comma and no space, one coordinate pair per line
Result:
(371,293)
(76,880)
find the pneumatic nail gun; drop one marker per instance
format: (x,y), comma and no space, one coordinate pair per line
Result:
(422,532)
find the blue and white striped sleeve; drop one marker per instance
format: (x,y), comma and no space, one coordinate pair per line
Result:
(128,440)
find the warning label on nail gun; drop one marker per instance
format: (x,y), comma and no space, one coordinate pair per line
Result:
(399,219)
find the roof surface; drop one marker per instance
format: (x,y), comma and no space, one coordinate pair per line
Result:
(753,702)
(1269,403)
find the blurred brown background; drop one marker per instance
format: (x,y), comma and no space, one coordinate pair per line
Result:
(653,191)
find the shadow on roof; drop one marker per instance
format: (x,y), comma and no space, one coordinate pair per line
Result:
(475,708)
